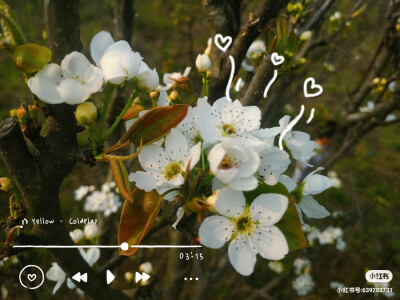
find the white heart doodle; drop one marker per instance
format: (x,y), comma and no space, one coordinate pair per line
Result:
(276,59)
(31,277)
(313,86)
(227,40)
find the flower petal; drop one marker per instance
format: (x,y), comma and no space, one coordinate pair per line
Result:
(75,65)
(269,208)
(242,255)
(93,79)
(175,145)
(162,99)
(70,284)
(244,183)
(118,47)
(194,156)
(288,182)
(45,84)
(112,69)
(72,92)
(215,157)
(131,61)
(215,231)
(144,180)
(230,203)
(100,42)
(315,184)
(312,208)
(153,158)
(270,242)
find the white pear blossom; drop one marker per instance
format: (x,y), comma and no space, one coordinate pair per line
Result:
(91,256)
(148,80)
(303,284)
(106,202)
(73,82)
(234,165)
(302,265)
(164,167)
(82,191)
(256,49)
(314,184)
(276,266)
(203,63)
(226,121)
(170,78)
(55,273)
(369,107)
(274,162)
(189,127)
(298,142)
(91,230)
(116,59)
(76,235)
(249,230)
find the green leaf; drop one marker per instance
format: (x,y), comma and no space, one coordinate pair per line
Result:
(155,124)
(31,58)
(290,223)
(137,218)
(11,31)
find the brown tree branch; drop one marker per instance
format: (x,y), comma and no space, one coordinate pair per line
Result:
(255,90)
(221,67)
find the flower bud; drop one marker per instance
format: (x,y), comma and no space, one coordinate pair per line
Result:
(306,35)
(174,96)
(91,231)
(13,114)
(6,184)
(154,94)
(22,115)
(376,80)
(146,267)
(128,276)
(148,80)
(203,63)
(211,201)
(86,113)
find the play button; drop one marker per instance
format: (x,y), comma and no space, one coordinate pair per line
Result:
(110,277)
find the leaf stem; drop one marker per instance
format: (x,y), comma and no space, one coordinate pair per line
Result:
(205,79)
(107,101)
(135,93)
(93,140)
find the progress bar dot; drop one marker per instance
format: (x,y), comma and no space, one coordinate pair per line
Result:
(124,246)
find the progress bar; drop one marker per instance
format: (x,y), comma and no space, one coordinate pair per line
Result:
(101,246)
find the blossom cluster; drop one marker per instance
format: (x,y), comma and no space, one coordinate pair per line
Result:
(107,200)
(304,282)
(331,235)
(226,141)
(76,78)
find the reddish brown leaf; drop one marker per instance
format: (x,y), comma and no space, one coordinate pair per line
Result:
(155,124)
(137,218)
(121,178)
(133,111)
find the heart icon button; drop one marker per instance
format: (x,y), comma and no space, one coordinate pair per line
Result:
(313,86)
(31,277)
(222,42)
(276,59)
